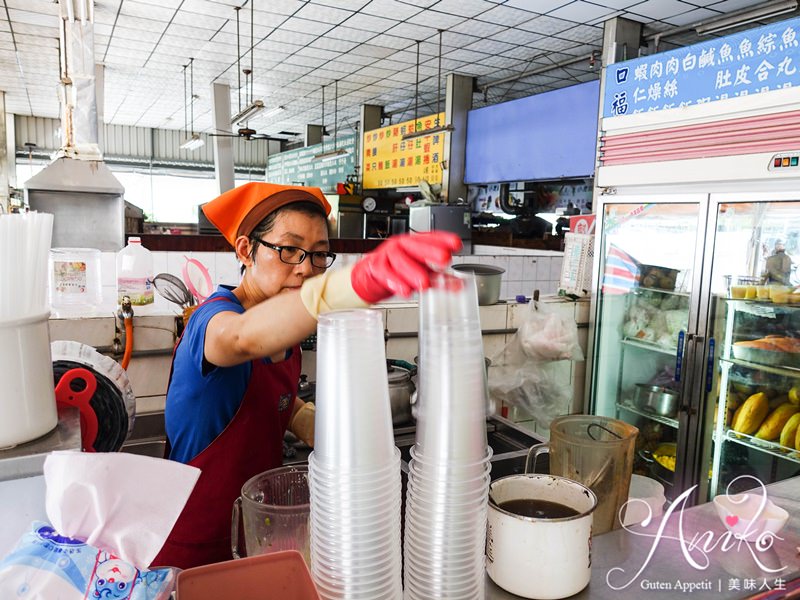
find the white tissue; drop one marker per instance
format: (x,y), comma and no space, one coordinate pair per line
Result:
(121,503)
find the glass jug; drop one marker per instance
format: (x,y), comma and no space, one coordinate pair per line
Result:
(274,508)
(597,452)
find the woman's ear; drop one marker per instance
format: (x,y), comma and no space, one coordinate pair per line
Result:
(243,249)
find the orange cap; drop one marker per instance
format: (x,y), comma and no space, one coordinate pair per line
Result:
(238,211)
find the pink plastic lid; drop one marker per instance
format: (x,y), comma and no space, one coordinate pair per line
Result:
(197,279)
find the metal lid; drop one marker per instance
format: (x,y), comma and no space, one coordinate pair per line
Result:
(397,375)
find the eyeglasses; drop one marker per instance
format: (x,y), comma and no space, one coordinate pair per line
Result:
(292,255)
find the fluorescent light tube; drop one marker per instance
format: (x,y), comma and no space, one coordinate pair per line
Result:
(193,143)
(759,13)
(426,132)
(247,112)
(331,155)
(273,111)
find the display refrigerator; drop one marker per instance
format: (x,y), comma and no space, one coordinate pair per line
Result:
(695,317)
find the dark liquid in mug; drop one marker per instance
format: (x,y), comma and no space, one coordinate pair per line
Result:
(539,509)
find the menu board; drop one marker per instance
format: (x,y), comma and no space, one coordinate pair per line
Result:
(752,62)
(298,167)
(389,161)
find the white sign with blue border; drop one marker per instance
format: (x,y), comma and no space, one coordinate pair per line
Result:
(752,62)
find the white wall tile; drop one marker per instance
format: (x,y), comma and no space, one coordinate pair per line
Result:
(405,319)
(515,270)
(227,269)
(159,262)
(504,287)
(108,268)
(494,316)
(530,269)
(555,269)
(402,349)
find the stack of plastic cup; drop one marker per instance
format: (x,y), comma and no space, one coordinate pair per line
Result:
(449,472)
(354,471)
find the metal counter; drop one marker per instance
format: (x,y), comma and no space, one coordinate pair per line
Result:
(27,460)
(642,564)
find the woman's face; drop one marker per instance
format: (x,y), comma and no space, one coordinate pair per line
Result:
(292,228)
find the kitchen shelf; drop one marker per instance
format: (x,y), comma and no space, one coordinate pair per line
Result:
(650,346)
(639,290)
(784,371)
(648,415)
(773,448)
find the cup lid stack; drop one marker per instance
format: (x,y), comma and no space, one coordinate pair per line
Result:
(354,470)
(449,472)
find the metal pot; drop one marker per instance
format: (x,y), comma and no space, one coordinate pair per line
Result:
(488,279)
(657,470)
(657,399)
(401,388)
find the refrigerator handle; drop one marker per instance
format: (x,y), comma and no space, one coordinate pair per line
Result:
(710,365)
(696,341)
(679,355)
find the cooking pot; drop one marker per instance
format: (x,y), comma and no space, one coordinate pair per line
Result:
(401,388)
(656,399)
(487,279)
(661,472)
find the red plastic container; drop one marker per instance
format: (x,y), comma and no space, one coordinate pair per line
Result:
(275,576)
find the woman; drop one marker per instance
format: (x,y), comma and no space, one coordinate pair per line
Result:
(236,368)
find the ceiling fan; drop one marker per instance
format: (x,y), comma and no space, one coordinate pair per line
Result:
(253,107)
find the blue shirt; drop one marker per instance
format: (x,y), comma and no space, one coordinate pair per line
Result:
(202,399)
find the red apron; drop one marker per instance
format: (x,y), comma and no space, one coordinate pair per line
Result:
(251,444)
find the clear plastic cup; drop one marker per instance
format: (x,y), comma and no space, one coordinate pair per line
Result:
(359,474)
(390,589)
(349,494)
(353,424)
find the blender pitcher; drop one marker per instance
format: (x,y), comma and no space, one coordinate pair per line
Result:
(274,509)
(597,452)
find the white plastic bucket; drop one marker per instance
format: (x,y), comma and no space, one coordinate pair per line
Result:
(644,492)
(27,395)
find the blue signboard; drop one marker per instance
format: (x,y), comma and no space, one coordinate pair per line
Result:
(755,61)
(546,136)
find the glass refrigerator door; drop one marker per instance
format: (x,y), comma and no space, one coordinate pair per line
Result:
(649,255)
(753,403)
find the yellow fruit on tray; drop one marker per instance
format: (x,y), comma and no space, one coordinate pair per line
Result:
(794,396)
(750,415)
(789,431)
(773,425)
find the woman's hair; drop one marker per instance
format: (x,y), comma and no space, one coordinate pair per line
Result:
(268,223)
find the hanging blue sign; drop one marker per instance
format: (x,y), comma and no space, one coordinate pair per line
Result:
(753,62)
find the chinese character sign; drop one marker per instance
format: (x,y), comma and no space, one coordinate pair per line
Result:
(390,161)
(755,61)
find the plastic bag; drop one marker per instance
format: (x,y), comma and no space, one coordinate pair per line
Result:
(45,565)
(525,373)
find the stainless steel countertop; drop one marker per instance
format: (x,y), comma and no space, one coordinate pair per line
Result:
(27,460)
(729,565)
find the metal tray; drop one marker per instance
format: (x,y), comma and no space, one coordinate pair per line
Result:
(770,358)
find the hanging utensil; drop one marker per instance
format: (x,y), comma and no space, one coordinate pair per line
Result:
(173,289)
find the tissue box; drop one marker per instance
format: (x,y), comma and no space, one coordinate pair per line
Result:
(47,565)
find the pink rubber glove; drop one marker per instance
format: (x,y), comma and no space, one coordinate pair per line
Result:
(403,264)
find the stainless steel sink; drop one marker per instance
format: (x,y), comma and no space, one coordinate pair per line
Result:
(509,443)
